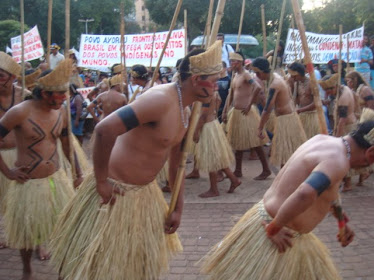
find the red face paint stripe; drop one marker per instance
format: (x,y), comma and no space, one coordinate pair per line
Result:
(206,84)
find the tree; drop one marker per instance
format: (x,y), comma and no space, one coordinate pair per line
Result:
(8,29)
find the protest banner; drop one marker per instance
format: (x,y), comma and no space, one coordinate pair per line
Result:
(85,91)
(105,50)
(323,47)
(33,45)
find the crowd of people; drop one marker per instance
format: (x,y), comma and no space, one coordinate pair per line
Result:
(111,222)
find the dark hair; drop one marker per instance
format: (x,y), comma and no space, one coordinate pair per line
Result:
(261,63)
(221,35)
(141,71)
(178,63)
(358,76)
(298,67)
(358,134)
(37,91)
(242,55)
(112,68)
(184,66)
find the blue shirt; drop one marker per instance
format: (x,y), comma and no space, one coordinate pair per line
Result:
(366,54)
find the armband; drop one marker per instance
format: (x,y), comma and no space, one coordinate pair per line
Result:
(342,111)
(369,97)
(270,97)
(206,105)
(3,131)
(128,117)
(64,132)
(318,181)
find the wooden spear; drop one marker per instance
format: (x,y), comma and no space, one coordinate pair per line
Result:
(340,55)
(49,30)
(176,13)
(185,33)
(275,54)
(309,66)
(122,30)
(194,118)
(348,70)
(22,11)
(264,41)
(153,44)
(240,26)
(294,37)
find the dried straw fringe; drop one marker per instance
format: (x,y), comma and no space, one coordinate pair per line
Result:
(246,253)
(32,209)
(288,136)
(124,241)
(367,115)
(9,157)
(310,123)
(270,124)
(242,130)
(224,125)
(213,152)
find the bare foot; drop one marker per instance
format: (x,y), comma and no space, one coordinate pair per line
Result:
(362,178)
(262,176)
(347,189)
(166,189)
(42,252)
(3,245)
(234,185)
(209,194)
(193,175)
(238,173)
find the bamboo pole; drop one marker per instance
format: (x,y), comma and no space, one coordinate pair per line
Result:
(176,13)
(122,32)
(275,54)
(67,27)
(194,118)
(22,12)
(153,44)
(340,55)
(49,30)
(348,70)
(264,41)
(294,37)
(209,21)
(240,26)
(185,33)
(309,66)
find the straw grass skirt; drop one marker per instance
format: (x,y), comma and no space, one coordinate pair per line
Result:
(124,241)
(163,175)
(32,209)
(213,151)
(270,124)
(224,125)
(9,157)
(246,253)
(288,136)
(310,123)
(242,130)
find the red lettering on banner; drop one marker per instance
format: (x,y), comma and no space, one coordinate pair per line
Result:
(100,62)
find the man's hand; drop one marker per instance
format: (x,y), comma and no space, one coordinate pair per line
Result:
(19,174)
(347,238)
(282,238)
(78,181)
(108,192)
(172,222)
(260,134)
(246,110)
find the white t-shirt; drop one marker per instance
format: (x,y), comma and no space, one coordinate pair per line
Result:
(54,60)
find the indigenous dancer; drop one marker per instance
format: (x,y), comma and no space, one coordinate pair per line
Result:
(303,97)
(42,188)
(140,77)
(128,236)
(288,132)
(244,120)
(274,239)
(110,100)
(344,113)
(212,151)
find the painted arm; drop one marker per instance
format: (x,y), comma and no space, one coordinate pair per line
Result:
(91,108)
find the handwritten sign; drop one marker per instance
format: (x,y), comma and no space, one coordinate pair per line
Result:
(105,50)
(323,47)
(32,45)
(85,91)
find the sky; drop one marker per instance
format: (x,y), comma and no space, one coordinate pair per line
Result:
(310,4)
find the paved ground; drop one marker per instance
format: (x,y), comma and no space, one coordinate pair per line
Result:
(206,221)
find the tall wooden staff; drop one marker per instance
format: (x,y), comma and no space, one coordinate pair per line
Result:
(309,66)
(176,13)
(348,70)
(294,37)
(340,56)
(123,60)
(240,26)
(49,30)
(67,27)
(185,33)
(264,41)
(153,44)
(22,11)
(194,117)
(275,54)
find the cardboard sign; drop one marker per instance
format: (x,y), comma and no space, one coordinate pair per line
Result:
(32,44)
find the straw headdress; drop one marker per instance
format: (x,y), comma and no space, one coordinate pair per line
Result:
(208,62)
(118,69)
(58,79)
(235,56)
(370,137)
(116,80)
(8,64)
(331,82)
(30,79)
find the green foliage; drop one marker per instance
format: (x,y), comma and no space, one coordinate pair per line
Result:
(8,29)
(106,14)
(351,14)
(256,51)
